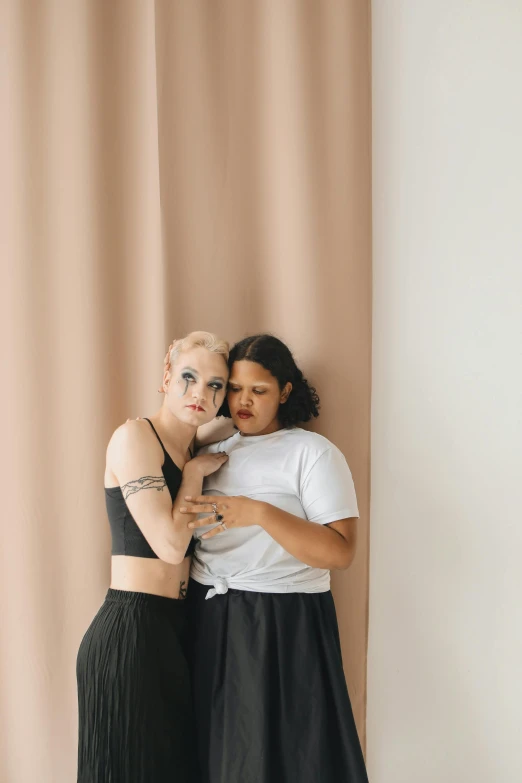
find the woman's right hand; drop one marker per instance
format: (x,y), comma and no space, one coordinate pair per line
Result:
(206,464)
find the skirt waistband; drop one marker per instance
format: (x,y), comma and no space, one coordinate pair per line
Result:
(132,598)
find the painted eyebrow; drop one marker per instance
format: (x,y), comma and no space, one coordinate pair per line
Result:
(195,372)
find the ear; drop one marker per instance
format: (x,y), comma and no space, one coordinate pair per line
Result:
(166,379)
(285,394)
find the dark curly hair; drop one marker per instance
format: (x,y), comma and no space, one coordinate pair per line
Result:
(272,354)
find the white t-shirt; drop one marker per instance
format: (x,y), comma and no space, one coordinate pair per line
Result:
(298,471)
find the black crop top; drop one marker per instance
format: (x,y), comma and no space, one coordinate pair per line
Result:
(127,538)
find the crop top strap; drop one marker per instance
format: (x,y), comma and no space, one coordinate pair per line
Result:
(161,442)
(156,434)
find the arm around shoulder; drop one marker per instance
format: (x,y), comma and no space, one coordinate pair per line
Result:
(215,431)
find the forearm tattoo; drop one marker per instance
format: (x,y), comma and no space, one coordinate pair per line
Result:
(183,589)
(145,482)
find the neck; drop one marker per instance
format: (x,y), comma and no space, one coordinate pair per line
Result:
(180,432)
(272,427)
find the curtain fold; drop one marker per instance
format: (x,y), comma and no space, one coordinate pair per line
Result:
(167,166)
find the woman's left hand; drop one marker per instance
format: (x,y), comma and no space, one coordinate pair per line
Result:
(228,512)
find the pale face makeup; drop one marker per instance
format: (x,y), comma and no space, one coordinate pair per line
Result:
(254,398)
(197,384)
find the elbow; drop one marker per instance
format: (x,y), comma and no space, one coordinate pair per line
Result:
(175,559)
(344,559)
(171,554)
(344,565)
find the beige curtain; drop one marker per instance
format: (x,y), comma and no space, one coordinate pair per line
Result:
(166,166)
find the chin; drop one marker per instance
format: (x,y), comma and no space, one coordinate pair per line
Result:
(248,426)
(195,419)
(241,424)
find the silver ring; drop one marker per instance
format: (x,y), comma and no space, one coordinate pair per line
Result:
(214,508)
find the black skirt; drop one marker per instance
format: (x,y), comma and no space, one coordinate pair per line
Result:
(134,695)
(270,696)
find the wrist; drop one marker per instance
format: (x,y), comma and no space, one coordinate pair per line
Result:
(193,469)
(260,512)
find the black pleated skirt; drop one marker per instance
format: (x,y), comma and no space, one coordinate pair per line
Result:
(270,696)
(134,699)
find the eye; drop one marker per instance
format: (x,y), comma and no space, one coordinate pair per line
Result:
(233,389)
(187,376)
(216,385)
(258,391)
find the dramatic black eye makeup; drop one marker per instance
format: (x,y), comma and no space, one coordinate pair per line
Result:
(190,375)
(187,377)
(217,385)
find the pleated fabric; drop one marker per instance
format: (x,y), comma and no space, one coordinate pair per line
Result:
(134,699)
(270,696)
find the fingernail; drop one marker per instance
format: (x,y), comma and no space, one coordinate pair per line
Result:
(183,509)
(188,497)
(191,525)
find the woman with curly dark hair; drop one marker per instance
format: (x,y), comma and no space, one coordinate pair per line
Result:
(269,690)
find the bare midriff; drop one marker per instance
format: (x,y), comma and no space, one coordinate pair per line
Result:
(148,575)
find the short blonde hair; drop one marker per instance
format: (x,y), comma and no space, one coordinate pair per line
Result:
(207,340)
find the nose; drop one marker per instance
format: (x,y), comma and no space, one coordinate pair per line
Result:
(198,391)
(244,399)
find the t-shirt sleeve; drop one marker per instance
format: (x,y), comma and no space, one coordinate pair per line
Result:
(210,448)
(327,490)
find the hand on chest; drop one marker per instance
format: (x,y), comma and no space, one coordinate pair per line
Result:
(267,474)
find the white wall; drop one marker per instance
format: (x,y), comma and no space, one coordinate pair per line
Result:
(445,656)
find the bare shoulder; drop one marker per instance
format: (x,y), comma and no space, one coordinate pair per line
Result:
(133,437)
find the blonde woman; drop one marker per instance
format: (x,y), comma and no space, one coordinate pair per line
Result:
(135,714)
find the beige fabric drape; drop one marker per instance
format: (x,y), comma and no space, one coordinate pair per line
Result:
(167,166)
